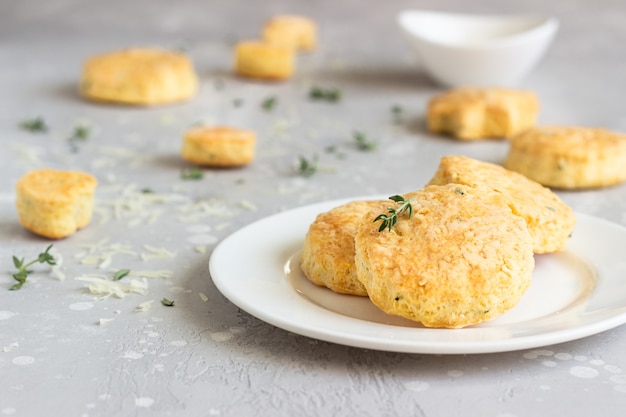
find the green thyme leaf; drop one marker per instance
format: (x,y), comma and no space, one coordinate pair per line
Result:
(167,303)
(120,274)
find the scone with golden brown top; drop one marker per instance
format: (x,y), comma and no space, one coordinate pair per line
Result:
(462,258)
(219,146)
(139,76)
(264,60)
(297,32)
(550,221)
(569,157)
(55,204)
(328,249)
(481,113)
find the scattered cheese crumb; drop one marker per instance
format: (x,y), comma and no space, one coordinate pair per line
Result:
(145,306)
(156,253)
(248,205)
(107,288)
(104,321)
(29,154)
(56,270)
(203,297)
(160,273)
(200,249)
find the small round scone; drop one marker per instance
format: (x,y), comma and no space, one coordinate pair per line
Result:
(55,204)
(219,146)
(139,76)
(481,113)
(550,221)
(296,32)
(328,249)
(264,60)
(569,157)
(463,258)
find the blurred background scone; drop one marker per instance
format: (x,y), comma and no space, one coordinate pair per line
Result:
(219,146)
(550,221)
(328,249)
(55,204)
(463,258)
(297,32)
(482,113)
(569,157)
(264,60)
(139,76)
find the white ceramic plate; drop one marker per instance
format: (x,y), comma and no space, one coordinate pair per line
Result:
(575,293)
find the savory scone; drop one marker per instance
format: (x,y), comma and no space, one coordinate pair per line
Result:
(219,146)
(55,204)
(296,32)
(462,258)
(550,221)
(569,157)
(481,113)
(264,60)
(328,249)
(139,76)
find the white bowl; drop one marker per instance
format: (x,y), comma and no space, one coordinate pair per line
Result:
(465,49)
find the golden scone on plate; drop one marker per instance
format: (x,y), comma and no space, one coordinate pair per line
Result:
(569,157)
(462,258)
(264,60)
(219,146)
(297,32)
(550,221)
(139,76)
(328,249)
(55,204)
(482,113)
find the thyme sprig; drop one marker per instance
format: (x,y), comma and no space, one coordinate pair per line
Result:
(307,167)
(81,133)
(390,219)
(332,95)
(397,112)
(193,173)
(363,143)
(269,103)
(22,266)
(37,125)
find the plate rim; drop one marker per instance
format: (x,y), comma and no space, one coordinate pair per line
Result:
(401,344)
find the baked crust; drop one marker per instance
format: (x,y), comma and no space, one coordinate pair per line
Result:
(569,157)
(55,204)
(463,258)
(328,250)
(550,221)
(481,113)
(264,60)
(219,146)
(296,32)
(139,76)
